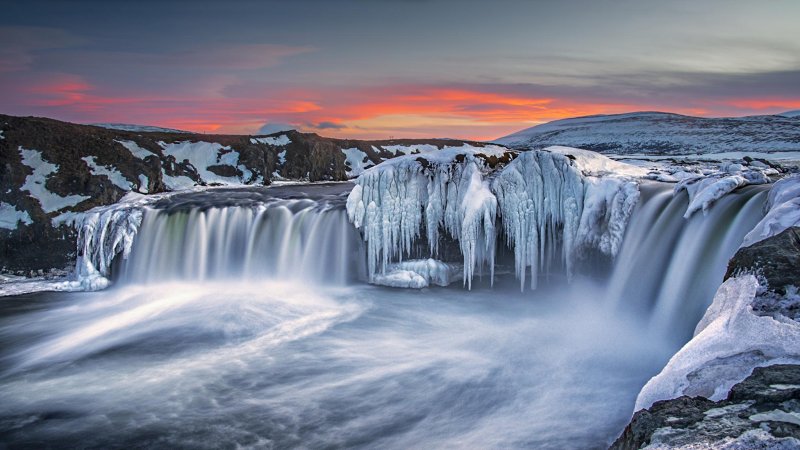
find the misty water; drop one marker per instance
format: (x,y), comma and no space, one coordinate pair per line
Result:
(224,329)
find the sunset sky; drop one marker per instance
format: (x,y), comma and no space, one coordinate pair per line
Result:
(375,69)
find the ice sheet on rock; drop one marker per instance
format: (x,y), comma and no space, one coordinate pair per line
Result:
(10,216)
(419,273)
(202,155)
(783,211)
(278,141)
(111,173)
(704,191)
(35,183)
(729,342)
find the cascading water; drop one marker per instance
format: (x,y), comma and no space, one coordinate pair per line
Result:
(294,239)
(669,267)
(244,319)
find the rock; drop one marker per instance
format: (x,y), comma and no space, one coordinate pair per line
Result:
(763,409)
(776,259)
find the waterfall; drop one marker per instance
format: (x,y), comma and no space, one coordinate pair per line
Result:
(669,267)
(294,239)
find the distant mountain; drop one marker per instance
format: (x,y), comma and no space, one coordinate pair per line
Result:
(795,113)
(141,128)
(663,133)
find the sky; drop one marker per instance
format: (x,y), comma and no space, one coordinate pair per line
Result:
(393,68)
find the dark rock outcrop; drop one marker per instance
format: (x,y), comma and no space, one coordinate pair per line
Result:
(776,259)
(767,401)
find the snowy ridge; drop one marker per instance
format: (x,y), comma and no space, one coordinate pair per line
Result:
(138,128)
(543,200)
(663,134)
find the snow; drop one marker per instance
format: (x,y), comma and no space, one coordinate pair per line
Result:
(704,191)
(410,149)
(1,135)
(595,164)
(777,415)
(729,342)
(663,134)
(135,150)
(201,155)
(783,211)
(282,158)
(417,274)
(795,113)
(276,141)
(10,216)
(144,182)
(139,128)
(357,161)
(35,183)
(111,173)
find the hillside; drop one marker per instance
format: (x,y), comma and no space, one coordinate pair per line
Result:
(663,134)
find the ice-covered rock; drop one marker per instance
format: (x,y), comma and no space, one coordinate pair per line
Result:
(729,342)
(419,273)
(783,210)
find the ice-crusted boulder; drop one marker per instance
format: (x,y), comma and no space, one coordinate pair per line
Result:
(730,340)
(419,273)
(552,204)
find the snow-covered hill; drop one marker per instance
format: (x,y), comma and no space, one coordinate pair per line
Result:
(137,128)
(795,113)
(664,134)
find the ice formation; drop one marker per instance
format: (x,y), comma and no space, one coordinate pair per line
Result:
(729,342)
(392,201)
(419,273)
(783,210)
(545,201)
(705,190)
(103,233)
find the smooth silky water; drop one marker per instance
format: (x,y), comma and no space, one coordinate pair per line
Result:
(240,319)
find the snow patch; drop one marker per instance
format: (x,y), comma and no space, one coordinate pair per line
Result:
(10,216)
(35,183)
(276,141)
(356,160)
(135,150)
(111,173)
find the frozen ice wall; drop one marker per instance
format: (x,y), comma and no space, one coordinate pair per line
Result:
(548,204)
